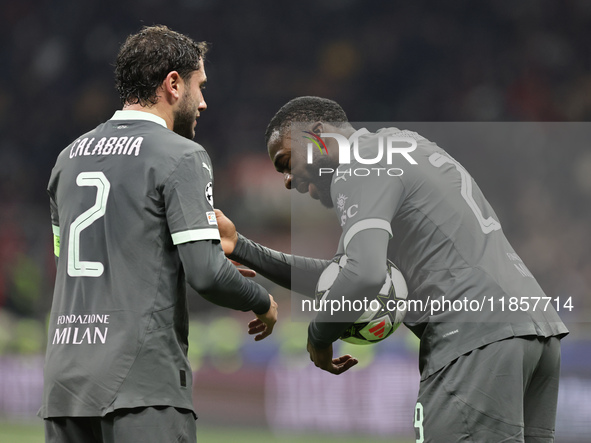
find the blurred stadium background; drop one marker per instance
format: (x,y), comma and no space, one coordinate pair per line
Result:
(412,61)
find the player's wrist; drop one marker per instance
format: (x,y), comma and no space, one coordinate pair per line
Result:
(314,341)
(264,303)
(238,244)
(272,307)
(234,241)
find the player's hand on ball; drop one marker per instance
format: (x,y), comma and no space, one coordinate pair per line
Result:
(322,358)
(264,323)
(228,233)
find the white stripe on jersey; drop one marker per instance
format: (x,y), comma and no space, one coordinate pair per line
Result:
(362,225)
(195,234)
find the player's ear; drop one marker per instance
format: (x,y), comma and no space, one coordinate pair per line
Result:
(172,86)
(318,128)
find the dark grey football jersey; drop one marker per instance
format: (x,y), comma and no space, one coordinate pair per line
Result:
(447,241)
(122,196)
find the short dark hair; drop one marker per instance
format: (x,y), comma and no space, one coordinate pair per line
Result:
(146,58)
(306,109)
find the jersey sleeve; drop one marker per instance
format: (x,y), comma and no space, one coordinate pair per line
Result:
(55,227)
(55,222)
(219,281)
(289,271)
(363,274)
(365,201)
(188,196)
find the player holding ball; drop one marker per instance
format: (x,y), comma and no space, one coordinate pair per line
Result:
(486,376)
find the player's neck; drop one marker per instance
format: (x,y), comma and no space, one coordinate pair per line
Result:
(348,131)
(154,109)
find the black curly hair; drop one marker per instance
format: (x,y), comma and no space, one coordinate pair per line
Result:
(306,109)
(146,58)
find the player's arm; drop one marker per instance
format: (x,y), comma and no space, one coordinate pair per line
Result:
(274,265)
(188,197)
(218,281)
(370,205)
(279,267)
(55,223)
(362,276)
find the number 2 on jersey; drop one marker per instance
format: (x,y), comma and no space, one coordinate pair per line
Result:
(76,267)
(486,224)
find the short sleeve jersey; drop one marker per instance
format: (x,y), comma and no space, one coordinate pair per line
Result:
(447,241)
(122,196)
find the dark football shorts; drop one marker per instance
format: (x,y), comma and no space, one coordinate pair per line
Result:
(503,392)
(158,424)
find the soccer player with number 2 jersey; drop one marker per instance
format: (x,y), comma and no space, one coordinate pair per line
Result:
(133,220)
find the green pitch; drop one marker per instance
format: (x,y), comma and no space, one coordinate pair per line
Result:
(32,432)
(21,432)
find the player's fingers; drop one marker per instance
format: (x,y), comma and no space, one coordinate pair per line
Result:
(341,359)
(255,322)
(339,369)
(333,369)
(247,272)
(256,329)
(263,335)
(268,330)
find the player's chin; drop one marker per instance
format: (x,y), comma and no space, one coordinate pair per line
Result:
(185,131)
(313,191)
(325,199)
(322,193)
(326,202)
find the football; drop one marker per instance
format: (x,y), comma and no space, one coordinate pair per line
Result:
(385,310)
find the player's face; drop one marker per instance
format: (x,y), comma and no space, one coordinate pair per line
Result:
(191,104)
(289,158)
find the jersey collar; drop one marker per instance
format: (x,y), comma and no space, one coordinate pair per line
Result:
(138,115)
(357,134)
